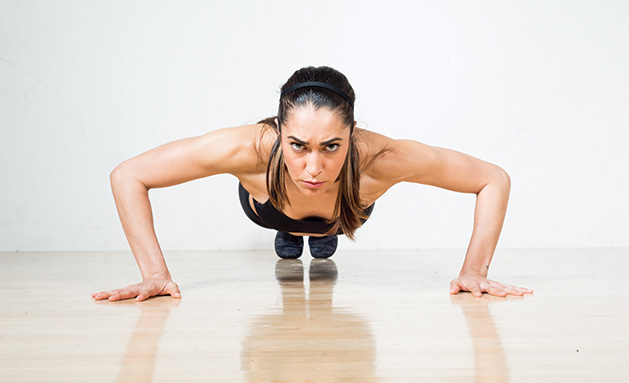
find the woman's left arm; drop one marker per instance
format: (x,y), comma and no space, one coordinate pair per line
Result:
(448,169)
(489,214)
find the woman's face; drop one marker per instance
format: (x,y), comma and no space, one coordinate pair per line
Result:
(315,144)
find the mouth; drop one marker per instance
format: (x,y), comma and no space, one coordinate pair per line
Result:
(313,184)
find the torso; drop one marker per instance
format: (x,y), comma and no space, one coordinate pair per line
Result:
(302,207)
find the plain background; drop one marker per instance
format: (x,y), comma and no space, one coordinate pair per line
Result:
(540,88)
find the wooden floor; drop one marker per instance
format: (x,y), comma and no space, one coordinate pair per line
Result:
(365,316)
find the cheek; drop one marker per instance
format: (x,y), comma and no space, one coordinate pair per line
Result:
(338,164)
(292,162)
(339,160)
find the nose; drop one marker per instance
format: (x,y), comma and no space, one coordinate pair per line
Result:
(314,164)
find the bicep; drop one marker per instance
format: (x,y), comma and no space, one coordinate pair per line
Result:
(221,151)
(444,168)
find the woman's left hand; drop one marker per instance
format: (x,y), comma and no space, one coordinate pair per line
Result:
(477,285)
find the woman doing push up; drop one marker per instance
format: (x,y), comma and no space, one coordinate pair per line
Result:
(307,172)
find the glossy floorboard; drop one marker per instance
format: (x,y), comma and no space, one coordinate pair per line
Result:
(365,316)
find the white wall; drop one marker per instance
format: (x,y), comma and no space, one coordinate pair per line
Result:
(540,88)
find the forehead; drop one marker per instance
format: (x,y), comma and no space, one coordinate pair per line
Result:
(320,124)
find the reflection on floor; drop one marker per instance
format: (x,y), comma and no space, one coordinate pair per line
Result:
(308,336)
(370,316)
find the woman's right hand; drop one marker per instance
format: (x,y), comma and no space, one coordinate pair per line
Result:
(150,287)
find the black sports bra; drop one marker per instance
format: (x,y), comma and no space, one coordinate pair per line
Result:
(271,218)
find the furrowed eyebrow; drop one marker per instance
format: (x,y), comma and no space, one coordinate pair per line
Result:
(298,140)
(328,142)
(324,143)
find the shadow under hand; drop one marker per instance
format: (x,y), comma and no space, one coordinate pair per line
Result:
(309,339)
(489,357)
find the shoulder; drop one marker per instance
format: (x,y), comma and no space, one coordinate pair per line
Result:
(238,151)
(241,137)
(243,149)
(413,161)
(389,160)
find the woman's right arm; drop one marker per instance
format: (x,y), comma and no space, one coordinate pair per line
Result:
(222,151)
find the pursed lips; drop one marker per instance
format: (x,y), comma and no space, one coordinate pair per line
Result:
(313,184)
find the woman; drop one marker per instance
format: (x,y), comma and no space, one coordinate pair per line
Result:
(308,172)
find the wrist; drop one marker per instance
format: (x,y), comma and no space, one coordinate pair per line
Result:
(157,275)
(476,271)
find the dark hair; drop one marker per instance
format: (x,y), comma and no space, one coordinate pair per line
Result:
(348,208)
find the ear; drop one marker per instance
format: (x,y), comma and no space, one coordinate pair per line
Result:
(277,123)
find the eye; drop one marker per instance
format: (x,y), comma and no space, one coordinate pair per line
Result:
(297,146)
(332,148)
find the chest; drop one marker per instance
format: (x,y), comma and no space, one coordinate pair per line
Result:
(302,207)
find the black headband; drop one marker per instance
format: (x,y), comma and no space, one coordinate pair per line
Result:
(317,84)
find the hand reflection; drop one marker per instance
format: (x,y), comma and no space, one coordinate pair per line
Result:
(309,339)
(489,357)
(138,363)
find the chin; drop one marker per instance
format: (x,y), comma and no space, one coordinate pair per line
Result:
(313,191)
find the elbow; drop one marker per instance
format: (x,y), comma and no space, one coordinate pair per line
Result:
(498,180)
(121,176)
(116,177)
(503,179)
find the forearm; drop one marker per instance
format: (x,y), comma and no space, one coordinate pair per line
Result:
(489,214)
(134,210)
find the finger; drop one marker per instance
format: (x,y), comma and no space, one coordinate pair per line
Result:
(124,294)
(151,290)
(142,296)
(519,291)
(96,295)
(523,289)
(174,291)
(496,290)
(514,291)
(455,286)
(115,297)
(105,294)
(100,295)
(475,289)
